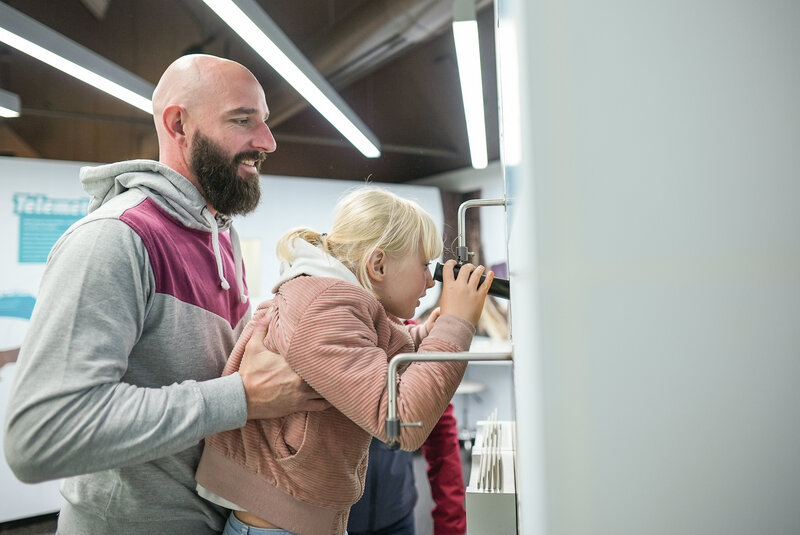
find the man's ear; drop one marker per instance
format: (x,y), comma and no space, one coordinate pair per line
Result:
(376,266)
(173,119)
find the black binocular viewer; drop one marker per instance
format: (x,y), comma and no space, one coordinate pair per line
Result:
(499,287)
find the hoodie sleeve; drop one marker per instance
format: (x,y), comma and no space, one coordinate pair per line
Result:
(73,408)
(335,349)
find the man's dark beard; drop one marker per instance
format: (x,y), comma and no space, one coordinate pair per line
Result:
(219,178)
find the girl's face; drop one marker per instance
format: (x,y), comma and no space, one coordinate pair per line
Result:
(406,280)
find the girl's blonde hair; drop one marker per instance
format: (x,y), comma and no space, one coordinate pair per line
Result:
(367,219)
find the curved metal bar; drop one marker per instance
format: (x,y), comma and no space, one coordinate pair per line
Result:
(393,424)
(462,253)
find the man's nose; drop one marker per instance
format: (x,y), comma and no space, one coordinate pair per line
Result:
(265,141)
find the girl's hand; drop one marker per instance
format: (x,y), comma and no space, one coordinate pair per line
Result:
(463,296)
(432,319)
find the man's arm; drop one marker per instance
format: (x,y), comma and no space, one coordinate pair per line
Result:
(80,402)
(442,452)
(72,408)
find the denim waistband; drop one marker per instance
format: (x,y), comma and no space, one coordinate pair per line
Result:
(234,526)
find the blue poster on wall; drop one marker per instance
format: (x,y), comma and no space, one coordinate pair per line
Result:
(17,306)
(42,220)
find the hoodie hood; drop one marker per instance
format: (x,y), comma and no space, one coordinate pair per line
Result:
(170,190)
(311,260)
(173,193)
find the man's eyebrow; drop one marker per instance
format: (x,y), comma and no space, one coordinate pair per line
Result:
(245,111)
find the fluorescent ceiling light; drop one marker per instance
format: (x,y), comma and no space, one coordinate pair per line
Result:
(511,109)
(9,104)
(246,18)
(465,33)
(37,40)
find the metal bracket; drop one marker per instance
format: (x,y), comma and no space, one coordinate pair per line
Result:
(393,425)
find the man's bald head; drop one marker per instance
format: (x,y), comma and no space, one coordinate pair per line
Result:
(202,96)
(195,82)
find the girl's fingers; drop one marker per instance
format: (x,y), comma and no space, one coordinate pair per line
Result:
(447,271)
(464,271)
(484,288)
(476,276)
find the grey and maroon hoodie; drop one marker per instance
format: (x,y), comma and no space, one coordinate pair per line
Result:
(118,379)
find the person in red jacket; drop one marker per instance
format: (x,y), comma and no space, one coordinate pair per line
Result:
(445,475)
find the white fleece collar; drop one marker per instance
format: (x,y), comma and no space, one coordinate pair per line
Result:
(311,260)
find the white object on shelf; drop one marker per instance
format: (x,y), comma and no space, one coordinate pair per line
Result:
(491,493)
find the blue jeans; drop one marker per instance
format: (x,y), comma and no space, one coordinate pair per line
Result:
(234,526)
(404,526)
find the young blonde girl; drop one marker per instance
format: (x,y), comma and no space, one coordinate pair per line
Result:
(336,318)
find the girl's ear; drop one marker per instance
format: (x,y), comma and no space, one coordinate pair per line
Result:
(376,266)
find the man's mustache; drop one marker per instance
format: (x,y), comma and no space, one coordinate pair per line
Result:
(256,156)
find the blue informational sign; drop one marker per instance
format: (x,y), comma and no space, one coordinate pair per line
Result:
(17,305)
(42,220)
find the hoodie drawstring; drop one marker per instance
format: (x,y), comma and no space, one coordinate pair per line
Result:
(237,263)
(237,255)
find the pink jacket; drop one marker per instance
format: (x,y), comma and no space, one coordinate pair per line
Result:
(304,471)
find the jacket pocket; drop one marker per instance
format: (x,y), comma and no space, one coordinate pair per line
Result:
(294,441)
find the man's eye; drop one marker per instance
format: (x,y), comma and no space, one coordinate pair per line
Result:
(242,121)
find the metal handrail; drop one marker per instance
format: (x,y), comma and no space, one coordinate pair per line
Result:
(393,424)
(462,254)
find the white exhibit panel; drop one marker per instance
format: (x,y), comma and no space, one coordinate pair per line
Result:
(39,200)
(653,185)
(289,202)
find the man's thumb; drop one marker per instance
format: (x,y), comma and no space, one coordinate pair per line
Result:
(259,333)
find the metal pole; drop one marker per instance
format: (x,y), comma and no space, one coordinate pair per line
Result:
(462,253)
(393,425)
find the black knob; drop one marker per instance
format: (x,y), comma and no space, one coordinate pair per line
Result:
(499,287)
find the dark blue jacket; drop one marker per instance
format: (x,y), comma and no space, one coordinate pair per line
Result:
(389,491)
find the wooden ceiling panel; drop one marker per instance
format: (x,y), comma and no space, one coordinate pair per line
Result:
(411,100)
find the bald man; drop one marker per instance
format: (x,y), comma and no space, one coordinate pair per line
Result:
(118,380)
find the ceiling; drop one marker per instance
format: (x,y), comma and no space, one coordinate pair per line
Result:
(392,61)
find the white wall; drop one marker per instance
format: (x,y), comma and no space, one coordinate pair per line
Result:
(655,259)
(289,202)
(493,219)
(21,280)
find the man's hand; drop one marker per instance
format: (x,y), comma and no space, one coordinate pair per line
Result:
(272,388)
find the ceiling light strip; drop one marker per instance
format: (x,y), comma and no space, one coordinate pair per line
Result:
(468,55)
(9,104)
(35,39)
(253,25)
